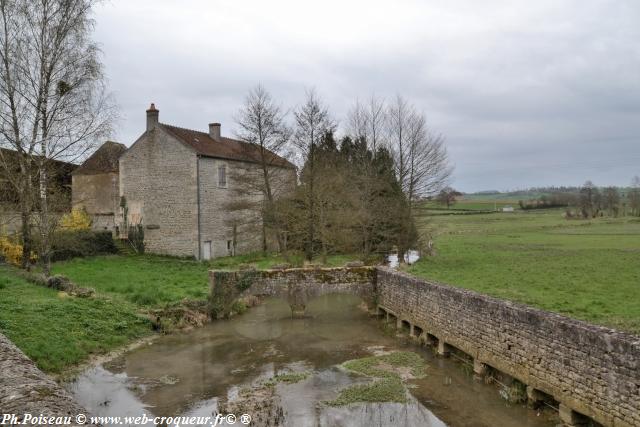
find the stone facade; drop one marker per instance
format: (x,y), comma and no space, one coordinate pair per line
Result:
(95,186)
(216,220)
(590,370)
(99,195)
(158,179)
(180,185)
(24,389)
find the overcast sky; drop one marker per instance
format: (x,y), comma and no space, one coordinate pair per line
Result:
(527,93)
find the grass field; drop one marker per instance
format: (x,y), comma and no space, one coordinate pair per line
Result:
(463,204)
(56,330)
(589,270)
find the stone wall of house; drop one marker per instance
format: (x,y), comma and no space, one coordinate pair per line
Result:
(99,195)
(158,177)
(592,370)
(223,208)
(24,389)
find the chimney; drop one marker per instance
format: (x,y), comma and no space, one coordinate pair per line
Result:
(152,117)
(214,131)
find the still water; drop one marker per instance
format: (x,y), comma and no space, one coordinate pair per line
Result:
(192,373)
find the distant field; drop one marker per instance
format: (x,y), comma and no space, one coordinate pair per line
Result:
(475,205)
(585,269)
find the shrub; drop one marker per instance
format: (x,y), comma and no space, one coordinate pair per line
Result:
(11,251)
(77,219)
(68,244)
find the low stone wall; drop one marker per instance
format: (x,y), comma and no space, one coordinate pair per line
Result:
(590,370)
(24,389)
(295,285)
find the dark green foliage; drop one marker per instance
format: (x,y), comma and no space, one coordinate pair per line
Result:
(353,200)
(73,244)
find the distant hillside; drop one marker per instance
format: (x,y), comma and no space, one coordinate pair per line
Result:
(531,193)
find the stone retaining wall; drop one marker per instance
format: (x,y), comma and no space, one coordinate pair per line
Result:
(295,285)
(590,370)
(24,389)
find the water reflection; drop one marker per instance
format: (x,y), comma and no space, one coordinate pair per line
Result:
(188,373)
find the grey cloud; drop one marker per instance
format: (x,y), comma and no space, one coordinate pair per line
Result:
(513,85)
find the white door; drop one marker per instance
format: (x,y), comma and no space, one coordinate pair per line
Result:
(206,250)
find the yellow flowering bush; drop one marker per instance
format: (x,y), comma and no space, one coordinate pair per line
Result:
(12,251)
(77,219)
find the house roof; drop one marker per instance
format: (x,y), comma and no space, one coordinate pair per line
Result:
(225,148)
(104,160)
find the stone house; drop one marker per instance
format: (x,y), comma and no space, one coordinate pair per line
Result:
(179,185)
(60,191)
(95,186)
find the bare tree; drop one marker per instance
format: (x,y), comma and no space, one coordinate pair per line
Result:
(589,200)
(634,196)
(367,121)
(428,168)
(611,200)
(448,196)
(312,122)
(262,124)
(53,101)
(399,117)
(420,158)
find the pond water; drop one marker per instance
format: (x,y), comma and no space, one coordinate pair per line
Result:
(195,372)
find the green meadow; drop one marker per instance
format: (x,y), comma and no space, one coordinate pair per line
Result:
(586,269)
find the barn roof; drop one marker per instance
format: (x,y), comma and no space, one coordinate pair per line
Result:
(104,160)
(223,148)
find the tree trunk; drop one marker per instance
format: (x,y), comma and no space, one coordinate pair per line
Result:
(25,230)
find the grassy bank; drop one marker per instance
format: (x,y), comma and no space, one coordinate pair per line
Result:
(152,281)
(589,270)
(56,330)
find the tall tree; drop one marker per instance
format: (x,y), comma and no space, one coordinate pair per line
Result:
(312,123)
(448,196)
(634,196)
(53,101)
(262,123)
(611,200)
(589,200)
(367,122)
(420,158)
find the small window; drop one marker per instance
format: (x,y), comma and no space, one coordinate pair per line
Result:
(222,176)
